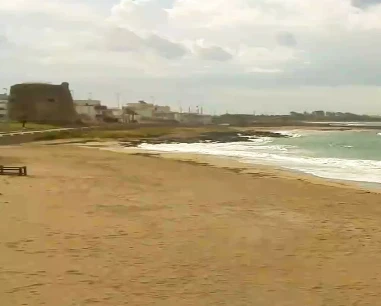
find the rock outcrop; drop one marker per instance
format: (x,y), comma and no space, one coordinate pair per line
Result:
(216,137)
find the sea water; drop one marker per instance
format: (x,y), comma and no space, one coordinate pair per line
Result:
(342,155)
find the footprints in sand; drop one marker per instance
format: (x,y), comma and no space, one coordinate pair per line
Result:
(27,287)
(21,245)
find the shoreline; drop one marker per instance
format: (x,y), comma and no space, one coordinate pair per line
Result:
(233,135)
(91,226)
(236,165)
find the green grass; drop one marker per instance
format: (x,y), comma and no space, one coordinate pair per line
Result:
(17,126)
(106,134)
(139,133)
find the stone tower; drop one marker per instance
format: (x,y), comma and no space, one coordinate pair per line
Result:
(44,103)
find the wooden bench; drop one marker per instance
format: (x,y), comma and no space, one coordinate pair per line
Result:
(5,170)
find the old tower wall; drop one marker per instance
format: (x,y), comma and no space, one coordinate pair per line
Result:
(45,103)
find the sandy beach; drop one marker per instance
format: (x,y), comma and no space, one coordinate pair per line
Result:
(94,227)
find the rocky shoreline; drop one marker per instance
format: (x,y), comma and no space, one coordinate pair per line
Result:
(215,137)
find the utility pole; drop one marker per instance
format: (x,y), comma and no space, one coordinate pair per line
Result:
(7,106)
(118,99)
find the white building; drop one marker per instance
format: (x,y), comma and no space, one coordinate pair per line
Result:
(3,107)
(91,109)
(148,110)
(117,113)
(143,109)
(193,118)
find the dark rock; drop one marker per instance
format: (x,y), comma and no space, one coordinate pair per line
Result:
(216,137)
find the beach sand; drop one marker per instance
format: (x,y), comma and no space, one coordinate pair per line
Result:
(93,227)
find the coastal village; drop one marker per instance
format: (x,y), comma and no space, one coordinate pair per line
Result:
(92,214)
(47,103)
(54,104)
(190,153)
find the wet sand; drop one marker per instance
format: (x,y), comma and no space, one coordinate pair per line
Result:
(93,227)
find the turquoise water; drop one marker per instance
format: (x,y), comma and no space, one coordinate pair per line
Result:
(362,145)
(342,155)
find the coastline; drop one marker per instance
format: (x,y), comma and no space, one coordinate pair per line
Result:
(90,226)
(220,135)
(238,166)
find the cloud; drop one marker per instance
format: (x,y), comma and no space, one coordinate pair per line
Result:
(3,40)
(365,3)
(165,47)
(52,8)
(125,40)
(213,53)
(122,40)
(269,43)
(140,15)
(286,39)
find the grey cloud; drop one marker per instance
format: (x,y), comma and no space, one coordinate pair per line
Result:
(350,59)
(365,3)
(286,39)
(214,53)
(164,47)
(125,40)
(3,40)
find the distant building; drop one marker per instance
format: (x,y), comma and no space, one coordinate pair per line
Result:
(193,118)
(130,116)
(162,109)
(3,107)
(41,102)
(117,113)
(147,110)
(165,116)
(89,109)
(143,109)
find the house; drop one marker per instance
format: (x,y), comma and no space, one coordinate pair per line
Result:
(117,113)
(90,109)
(3,107)
(193,118)
(143,109)
(130,116)
(148,110)
(165,116)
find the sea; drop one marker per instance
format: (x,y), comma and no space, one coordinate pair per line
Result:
(351,155)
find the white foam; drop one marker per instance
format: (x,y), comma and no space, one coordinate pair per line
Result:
(264,152)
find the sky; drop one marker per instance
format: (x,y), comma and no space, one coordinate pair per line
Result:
(236,56)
